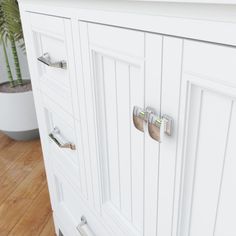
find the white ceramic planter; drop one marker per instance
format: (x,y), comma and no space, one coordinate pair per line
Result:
(17,115)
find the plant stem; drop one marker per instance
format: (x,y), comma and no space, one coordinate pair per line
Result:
(9,74)
(16,61)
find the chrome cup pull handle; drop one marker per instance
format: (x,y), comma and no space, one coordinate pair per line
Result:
(56,137)
(157,125)
(83,228)
(46,59)
(139,117)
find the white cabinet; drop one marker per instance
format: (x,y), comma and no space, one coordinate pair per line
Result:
(124,181)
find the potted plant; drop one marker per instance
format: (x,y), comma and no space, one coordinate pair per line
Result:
(17,112)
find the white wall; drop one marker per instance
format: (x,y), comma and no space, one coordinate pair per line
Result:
(23,63)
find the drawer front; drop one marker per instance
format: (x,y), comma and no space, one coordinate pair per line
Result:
(62,141)
(52,55)
(72,215)
(66,207)
(64,224)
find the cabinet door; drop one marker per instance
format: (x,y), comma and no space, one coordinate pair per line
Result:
(206,153)
(124,161)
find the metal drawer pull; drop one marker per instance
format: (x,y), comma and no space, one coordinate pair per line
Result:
(141,116)
(46,59)
(83,228)
(58,139)
(158,125)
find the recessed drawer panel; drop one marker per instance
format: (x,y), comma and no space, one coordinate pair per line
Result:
(52,54)
(62,142)
(64,223)
(79,218)
(65,206)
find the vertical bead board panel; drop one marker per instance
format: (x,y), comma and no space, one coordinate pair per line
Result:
(207,206)
(117,82)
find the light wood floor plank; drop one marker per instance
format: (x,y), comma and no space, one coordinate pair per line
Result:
(16,205)
(24,201)
(9,154)
(35,218)
(48,230)
(18,172)
(5,141)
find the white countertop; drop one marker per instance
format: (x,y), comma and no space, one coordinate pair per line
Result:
(192,1)
(200,21)
(192,9)
(227,2)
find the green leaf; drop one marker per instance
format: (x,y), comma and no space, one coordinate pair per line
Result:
(10,23)
(11,30)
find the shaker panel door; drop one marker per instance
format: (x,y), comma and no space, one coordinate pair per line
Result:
(122,69)
(205,150)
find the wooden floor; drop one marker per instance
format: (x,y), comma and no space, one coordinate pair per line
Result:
(24,200)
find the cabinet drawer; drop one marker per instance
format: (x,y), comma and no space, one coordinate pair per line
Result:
(70,210)
(64,224)
(51,36)
(66,210)
(62,142)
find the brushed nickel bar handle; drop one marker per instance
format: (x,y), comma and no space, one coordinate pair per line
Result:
(59,141)
(46,59)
